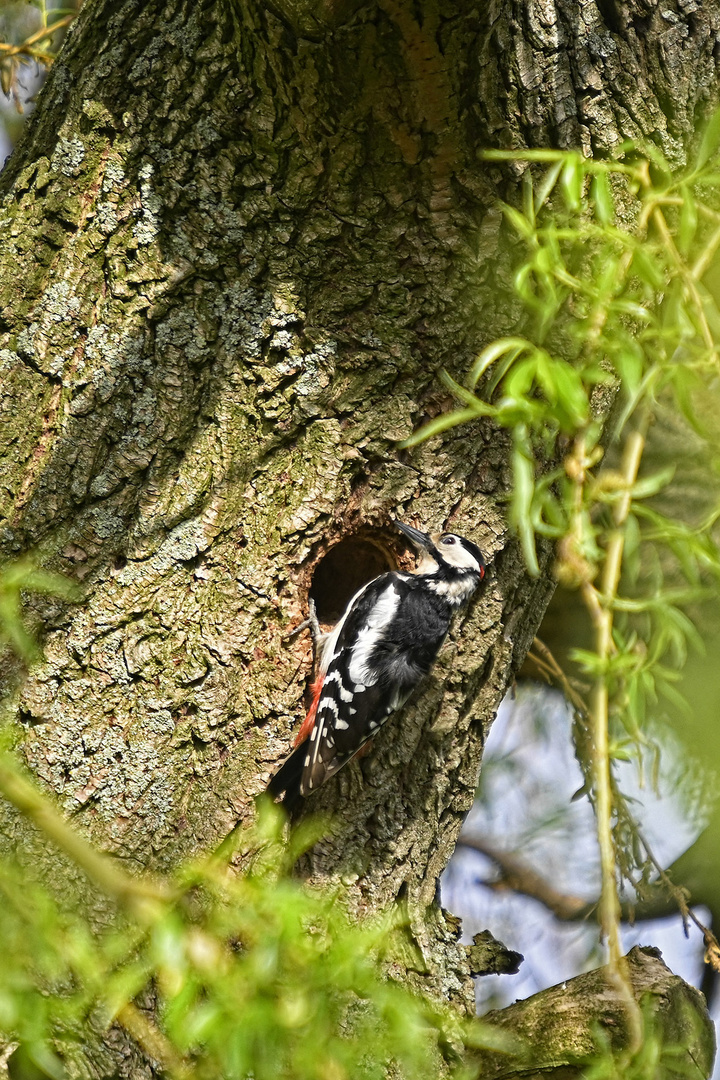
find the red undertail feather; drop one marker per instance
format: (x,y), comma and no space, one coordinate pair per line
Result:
(309,722)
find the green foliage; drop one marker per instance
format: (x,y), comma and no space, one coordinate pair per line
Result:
(250,974)
(610,275)
(19,577)
(615,267)
(214,972)
(606,304)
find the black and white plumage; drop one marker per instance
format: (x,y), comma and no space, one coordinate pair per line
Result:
(385,643)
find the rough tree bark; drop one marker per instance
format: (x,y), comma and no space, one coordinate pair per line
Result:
(239,241)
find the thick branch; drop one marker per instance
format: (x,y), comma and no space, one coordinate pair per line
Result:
(559,1027)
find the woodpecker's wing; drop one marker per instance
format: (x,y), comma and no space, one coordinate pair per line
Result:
(327,739)
(357,694)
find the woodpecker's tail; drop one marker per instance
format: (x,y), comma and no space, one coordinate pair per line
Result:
(286,781)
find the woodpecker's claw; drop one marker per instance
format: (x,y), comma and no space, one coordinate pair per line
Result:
(315,632)
(311,624)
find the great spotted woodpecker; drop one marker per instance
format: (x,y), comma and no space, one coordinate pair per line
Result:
(385,643)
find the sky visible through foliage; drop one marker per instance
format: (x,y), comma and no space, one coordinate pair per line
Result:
(524,804)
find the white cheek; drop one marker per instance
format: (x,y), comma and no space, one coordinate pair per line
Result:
(457,557)
(465,561)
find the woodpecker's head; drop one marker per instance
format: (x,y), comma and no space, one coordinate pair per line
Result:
(445,554)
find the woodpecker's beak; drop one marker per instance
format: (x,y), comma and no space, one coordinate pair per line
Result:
(421,540)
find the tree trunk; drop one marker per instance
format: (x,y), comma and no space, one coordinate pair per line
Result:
(239,243)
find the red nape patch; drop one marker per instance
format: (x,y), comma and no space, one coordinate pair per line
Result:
(309,722)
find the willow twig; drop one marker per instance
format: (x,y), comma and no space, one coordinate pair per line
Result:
(26,46)
(602,615)
(155,1044)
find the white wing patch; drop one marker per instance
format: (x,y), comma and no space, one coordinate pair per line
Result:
(335,676)
(359,672)
(329,647)
(381,615)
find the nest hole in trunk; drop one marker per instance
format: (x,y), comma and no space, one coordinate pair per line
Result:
(345,568)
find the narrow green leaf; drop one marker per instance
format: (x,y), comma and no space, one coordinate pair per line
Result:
(628,362)
(645,265)
(589,662)
(602,198)
(509,345)
(630,307)
(521,378)
(519,222)
(439,424)
(688,220)
(572,181)
(461,392)
(547,184)
(651,485)
(523,490)
(710,141)
(524,155)
(572,399)
(673,695)
(631,555)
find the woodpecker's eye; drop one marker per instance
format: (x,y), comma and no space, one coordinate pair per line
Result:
(448,539)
